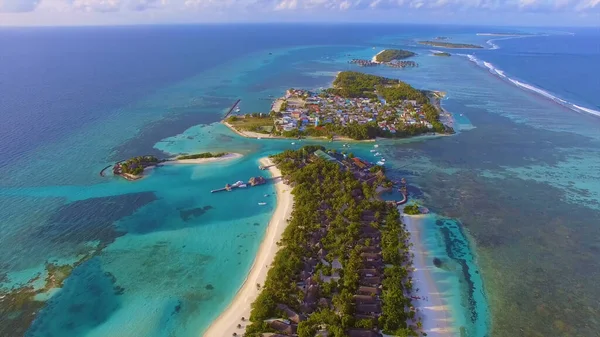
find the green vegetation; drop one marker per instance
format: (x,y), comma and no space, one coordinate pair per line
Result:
(202,155)
(334,218)
(412,209)
(135,166)
(442,54)
(449,44)
(355,84)
(389,55)
(255,122)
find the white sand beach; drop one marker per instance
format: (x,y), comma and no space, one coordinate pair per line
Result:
(434,313)
(226,323)
(249,134)
(374,59)
(228,156)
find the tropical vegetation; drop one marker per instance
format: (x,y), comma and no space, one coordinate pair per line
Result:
(202,155)
(389,55)
(332,212)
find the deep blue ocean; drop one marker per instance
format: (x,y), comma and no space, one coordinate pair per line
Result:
(514,193)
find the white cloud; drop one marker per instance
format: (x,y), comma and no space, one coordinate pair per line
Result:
(294,7)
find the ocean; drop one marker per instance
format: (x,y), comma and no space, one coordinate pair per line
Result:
(514,194)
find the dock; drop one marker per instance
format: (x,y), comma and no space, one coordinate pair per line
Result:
(232,107)
(104,169)
(254,181)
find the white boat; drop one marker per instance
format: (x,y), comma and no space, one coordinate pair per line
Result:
(262,203)
(461,115)
(382,159)
(376,145)
(237,109)
(377,154)
(293,143)
(380,163)
(237,183)
(257,137)
(266,195)
(243,186)
(373,150)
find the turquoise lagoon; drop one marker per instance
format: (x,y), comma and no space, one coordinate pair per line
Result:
(513,193)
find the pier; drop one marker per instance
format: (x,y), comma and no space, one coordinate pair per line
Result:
(104,169)
(232,107)
(363,63)
(254,181)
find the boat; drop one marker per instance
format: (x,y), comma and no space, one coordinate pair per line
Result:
(258,138)
(380,163)
(262,203)
(377,154)
(461,115)
(243,186)
(382,159)
(293,143)
(237,110)
(373,150)
(239,183)
(376,145)
(266,195)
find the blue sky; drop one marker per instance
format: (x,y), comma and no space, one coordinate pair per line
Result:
(122,12)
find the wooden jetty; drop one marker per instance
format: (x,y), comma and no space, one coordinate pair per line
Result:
(232,107)
(254,181)
(104,169)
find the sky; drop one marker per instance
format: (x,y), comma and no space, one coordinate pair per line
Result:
(126,12)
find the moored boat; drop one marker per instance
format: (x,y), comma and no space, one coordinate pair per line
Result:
(262,203)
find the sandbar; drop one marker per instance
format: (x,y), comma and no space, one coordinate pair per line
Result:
(226,323)
(435,314)
(228,156)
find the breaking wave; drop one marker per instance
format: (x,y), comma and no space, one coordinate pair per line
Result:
(500,73)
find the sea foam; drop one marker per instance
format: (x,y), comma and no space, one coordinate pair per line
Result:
(500,73)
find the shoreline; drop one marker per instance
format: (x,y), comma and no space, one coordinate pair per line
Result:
(240,306)
(256,135)
(197,161)
(374,58)
(434,313)
(228,156)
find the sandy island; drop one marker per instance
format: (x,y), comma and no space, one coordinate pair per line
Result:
(435,315)
(226,323)
(203,160)
(374,59)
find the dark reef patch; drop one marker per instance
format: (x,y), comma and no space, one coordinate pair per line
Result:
(187,214)
(437,262)
(92,219)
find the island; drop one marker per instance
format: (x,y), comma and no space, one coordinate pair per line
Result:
(342,264)
(358,107)
(504,34)
(389,55)
(134,168)
(444,54)
(451,45)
